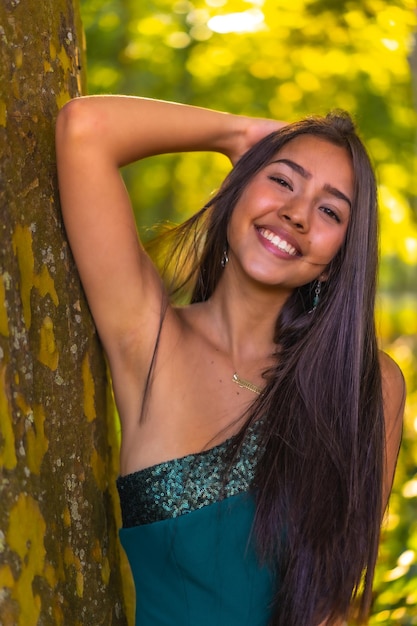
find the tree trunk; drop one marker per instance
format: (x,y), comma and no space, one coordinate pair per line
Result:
(59,555)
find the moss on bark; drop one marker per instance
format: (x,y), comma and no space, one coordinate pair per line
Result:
(59,555)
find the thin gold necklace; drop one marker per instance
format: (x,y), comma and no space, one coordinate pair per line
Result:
(245,384)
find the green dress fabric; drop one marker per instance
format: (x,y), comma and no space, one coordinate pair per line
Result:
(187,532)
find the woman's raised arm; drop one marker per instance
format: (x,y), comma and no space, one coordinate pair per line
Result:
(97,135)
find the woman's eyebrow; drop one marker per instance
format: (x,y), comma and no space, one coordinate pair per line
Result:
(307,175)
(294,166)
(338,194)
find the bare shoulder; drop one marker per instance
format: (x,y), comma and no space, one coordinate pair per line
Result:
(394,394)
(393,383)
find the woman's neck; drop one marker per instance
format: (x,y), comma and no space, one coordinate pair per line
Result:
(244,318)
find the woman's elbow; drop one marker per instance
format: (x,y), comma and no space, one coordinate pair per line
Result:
(79,121)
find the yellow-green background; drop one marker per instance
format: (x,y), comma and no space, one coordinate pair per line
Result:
(286,59)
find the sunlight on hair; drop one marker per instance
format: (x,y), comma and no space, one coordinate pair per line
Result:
(244,22)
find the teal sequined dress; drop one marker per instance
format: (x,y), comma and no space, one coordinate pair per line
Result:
(187,534)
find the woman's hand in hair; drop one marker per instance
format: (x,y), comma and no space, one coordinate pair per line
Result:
(252,130)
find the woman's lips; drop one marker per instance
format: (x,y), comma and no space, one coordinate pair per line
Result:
(281,242)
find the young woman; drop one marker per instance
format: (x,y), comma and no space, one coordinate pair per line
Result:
(260,423)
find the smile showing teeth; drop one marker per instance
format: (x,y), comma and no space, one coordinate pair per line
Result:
(279,243)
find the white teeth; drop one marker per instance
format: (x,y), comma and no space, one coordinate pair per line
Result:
(281,244)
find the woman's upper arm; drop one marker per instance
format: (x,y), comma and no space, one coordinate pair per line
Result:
(122,286)
(97,135)
(394,393)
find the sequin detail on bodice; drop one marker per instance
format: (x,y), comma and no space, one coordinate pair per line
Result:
(183,485)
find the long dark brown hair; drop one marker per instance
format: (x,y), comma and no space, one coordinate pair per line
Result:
(319,481)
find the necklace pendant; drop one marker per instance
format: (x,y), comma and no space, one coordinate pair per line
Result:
(245,384)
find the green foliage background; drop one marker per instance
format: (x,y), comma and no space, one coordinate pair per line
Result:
(283,59)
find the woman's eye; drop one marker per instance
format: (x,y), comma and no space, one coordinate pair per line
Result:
(281,181)
(328,211)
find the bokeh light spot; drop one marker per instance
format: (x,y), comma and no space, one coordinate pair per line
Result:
(244,22)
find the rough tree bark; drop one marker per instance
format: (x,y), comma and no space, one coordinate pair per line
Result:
(59,556)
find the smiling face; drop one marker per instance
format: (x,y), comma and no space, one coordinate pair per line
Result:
(292,217)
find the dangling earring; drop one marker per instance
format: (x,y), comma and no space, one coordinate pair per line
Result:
(225,258)
(316,298)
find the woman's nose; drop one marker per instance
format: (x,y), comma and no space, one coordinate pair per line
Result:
(297,213)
